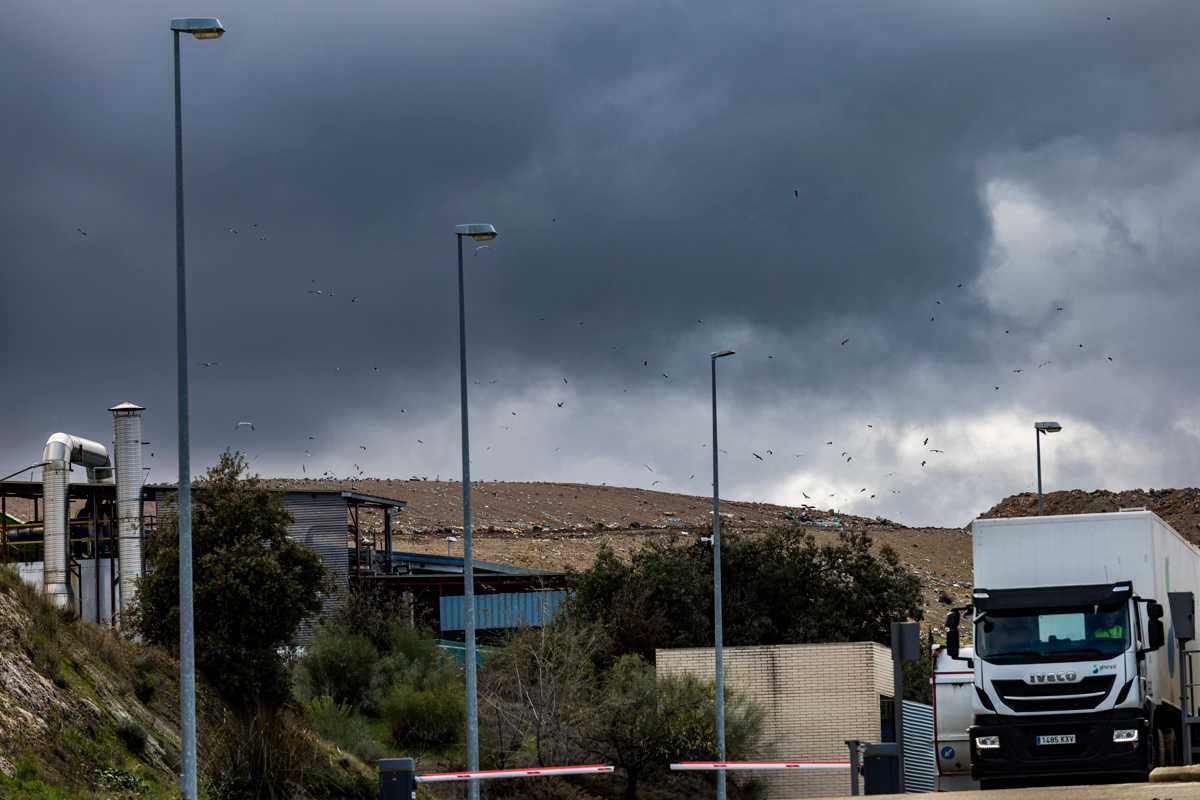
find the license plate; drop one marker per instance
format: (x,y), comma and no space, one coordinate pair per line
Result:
(1063,738)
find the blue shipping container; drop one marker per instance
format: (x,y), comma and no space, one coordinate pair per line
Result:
(507,610)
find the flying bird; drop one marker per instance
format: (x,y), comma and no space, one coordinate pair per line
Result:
(922,463)
(82,232)
(316,291)
(564,380)
(362,447)
(1044,364)
(958,286)
(844,341)
(207,364)
(936,451)
(796,192)
(997,388)
(1110,358)
(655,483)
(925,442)
(482,247)
(756,455)
(829,443)
(249,425)
(668,377)
(647,466)
(806,497)
(1018,371)
(233,231)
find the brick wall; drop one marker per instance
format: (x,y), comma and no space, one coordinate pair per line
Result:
(813,697)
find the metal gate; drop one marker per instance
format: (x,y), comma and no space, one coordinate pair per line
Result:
(920,764)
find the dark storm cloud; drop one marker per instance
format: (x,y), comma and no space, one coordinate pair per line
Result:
(791,176)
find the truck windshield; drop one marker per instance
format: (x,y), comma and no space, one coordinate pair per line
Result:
(1064,634)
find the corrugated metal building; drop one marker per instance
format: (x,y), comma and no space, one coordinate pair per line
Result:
(319,523)
(322,521)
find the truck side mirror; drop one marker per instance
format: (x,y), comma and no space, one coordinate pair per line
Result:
(1155,634)
(952,642)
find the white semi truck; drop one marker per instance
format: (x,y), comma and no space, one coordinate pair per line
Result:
(1075,665)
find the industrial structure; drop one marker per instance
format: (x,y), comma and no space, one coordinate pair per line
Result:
(81,542)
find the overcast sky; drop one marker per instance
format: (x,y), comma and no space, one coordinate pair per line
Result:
(960,189)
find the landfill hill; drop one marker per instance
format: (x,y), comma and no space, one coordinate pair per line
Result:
(562,526)
(1179,507)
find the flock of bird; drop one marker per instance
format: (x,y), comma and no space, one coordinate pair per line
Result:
(323,293)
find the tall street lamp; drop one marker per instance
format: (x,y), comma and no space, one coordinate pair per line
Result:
(718,629)
(481,233)
(201,28)
(1041,429)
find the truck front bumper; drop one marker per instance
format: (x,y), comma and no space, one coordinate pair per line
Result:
(1020,758)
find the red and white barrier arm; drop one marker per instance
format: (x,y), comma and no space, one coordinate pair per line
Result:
(731,765)
(524,772)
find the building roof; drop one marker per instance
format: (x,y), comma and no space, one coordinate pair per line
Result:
(351,497)
(31,490)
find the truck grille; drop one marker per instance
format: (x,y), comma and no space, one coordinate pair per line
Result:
(1024,697)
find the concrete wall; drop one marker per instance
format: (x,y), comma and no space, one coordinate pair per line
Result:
(813,698)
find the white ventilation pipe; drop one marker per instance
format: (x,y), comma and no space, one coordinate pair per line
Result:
(127,448)
(61,451)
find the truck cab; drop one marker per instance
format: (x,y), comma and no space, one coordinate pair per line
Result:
(1058,685)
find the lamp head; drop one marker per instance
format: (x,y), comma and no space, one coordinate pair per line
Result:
(1047,427)
(721,354)
(479,231)
(200,27)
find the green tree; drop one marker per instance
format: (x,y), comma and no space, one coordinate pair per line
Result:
(780,587)
(640,722)
(252,586)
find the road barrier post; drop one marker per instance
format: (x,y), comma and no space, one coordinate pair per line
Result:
(855,745)
(396,779)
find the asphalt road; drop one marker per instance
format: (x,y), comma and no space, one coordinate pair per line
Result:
(1120,791)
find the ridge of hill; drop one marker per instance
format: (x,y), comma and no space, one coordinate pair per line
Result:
(534,506)
(562,526)
(1179,507)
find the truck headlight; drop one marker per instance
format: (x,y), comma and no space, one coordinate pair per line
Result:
(990,742)
(1126,735)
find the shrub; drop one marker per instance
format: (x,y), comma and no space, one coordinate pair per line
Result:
(338,664)
(413,659)
(350,731)
(132,735)
(431,717)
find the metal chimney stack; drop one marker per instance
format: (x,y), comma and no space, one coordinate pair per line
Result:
(127,443)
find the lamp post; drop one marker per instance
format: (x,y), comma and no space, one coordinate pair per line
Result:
(201,28)
(1042,428)
(480,233)
(718,623)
